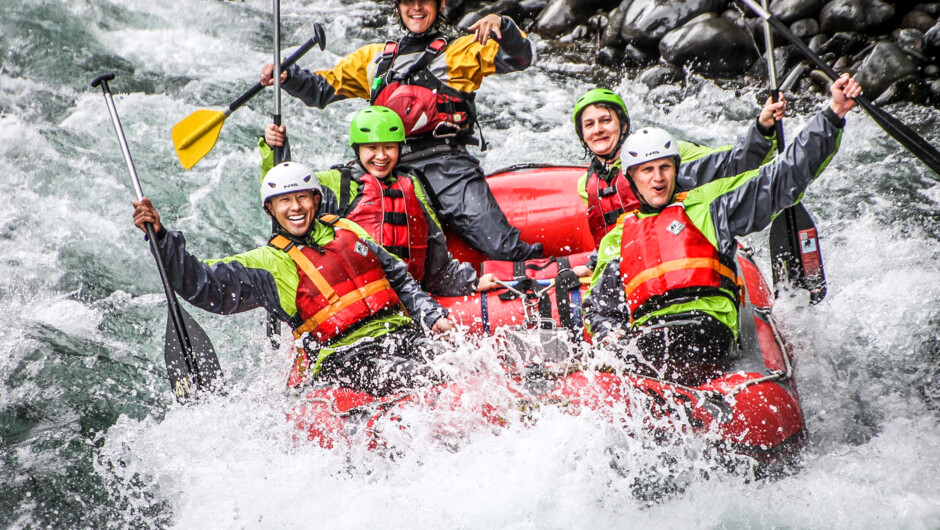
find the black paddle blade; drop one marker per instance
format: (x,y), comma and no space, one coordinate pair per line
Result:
(202,371)
(795,254)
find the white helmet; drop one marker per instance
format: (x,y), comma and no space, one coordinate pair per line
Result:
(649,143)
(288,177)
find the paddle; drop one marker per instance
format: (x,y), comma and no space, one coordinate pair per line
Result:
(917,145)
(794,244)
(272,323)
(195,135)
(191,363)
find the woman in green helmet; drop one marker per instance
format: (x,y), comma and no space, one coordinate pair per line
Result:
(603,123)
(389,202)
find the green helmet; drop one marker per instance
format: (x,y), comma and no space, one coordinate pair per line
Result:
(598,95)
(376,124)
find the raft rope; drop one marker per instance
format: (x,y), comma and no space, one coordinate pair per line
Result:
(530,303)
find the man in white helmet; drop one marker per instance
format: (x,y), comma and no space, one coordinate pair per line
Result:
(666,273)
(346,298)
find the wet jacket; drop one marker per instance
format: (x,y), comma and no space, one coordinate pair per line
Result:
(267,277)
(461,66)
(443,275)
(721,210)
(607,193)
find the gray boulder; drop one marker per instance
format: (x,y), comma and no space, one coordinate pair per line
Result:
(660,74)
(854,15)
(805,28)
(886,64)
(789,11)
(647,21)
(932,41)
(611,36)
(918,20)
(710,44)
(510,8)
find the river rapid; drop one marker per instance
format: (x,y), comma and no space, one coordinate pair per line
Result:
(91,437)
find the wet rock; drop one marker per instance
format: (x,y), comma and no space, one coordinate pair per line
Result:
(843,43)
(580,32)
(909,88)
(918,20)
(609,56)
(611,36)
(912,42)
(660,74)
(805,28)
(931,8)
(558,17)
(598,24)
(933,88)
(854,15)
(734,16)
(932,41)
(532,7)
(633,56)
(711,44)
(931,70)
(789,11)
(647,21)
(887,64)
(843,64)
(510,8)
(817,42)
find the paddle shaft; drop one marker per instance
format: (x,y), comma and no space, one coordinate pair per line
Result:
(272,323)
(278,150)
(900,132)
(174,308)
(789,215)
(253,91)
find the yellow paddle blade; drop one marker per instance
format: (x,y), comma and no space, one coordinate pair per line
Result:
(195,135)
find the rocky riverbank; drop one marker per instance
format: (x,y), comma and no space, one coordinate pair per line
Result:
(893,49)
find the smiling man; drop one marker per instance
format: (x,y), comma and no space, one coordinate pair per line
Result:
(346,298)
(666,273)
(602,124)
(430,81)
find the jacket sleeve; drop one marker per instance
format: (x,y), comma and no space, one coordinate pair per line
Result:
(444,275)
(223,288)
(603,305)
(750,151)
(418,303)
(515,49)
(348,79)
(748,202)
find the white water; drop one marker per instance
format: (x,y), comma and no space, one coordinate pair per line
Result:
(89,433)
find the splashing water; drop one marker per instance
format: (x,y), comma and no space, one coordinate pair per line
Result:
(90,435)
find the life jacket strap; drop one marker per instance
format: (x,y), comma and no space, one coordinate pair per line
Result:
(393,193)
(282,243)
(612,216)
(395,218)
(341,303)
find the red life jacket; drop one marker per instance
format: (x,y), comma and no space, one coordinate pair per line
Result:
(340,286)
(665,260)
(427,105)
(393,216)
(607,202)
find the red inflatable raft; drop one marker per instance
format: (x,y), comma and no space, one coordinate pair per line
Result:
(749,403)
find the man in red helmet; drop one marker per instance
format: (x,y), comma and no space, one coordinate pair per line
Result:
(430,82)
